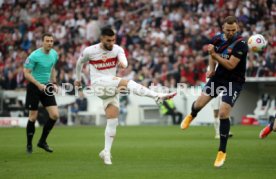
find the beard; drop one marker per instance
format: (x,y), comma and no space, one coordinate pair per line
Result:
(48,47)
(229,37)
(109,48)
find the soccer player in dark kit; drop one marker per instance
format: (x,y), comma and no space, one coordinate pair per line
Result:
(228,51)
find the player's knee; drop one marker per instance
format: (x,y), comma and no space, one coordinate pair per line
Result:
(223,114)
(111,116)
(111,111)
(54,116)
(33,119)
(123,83)
(32,116)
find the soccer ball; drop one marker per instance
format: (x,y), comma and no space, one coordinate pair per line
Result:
(256,43)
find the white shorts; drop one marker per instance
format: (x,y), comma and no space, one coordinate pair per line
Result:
(215,103)
(106,89)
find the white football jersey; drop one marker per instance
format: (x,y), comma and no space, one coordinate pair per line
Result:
(102,62)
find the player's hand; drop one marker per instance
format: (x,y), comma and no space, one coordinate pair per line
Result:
(120,65)
(209,74)
(41,87)
(55,88)
(211,49)
(77,83)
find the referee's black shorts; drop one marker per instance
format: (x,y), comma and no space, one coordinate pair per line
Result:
(34,95)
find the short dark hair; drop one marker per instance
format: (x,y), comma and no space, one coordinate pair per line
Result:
(108,31)
(230,20)
(46,35)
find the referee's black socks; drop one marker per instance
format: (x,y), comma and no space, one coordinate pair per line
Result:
(224,129)
(30,130)
(46,129)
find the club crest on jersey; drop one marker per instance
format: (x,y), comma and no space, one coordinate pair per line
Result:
(104,57)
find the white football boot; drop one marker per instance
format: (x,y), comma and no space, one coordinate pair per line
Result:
(106,156)
(160,98)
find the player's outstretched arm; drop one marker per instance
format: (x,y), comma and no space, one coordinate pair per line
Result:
(211,67)
(82,59)
(122,58)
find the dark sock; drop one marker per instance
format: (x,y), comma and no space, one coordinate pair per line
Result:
(46,129)
(30,130)
(224,129)
(194,110)
(271,126)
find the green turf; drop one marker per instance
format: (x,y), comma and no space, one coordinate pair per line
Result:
(138,152)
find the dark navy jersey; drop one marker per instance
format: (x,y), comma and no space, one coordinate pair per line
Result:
(237,47)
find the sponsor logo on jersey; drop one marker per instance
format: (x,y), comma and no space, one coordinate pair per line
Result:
(225,56)
(240,53)
(104,64)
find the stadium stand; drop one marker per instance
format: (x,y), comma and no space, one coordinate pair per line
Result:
(166,37)
(263,105)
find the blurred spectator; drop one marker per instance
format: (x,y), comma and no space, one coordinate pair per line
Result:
(81,104)
(9,81)
(69,80)
(168,109)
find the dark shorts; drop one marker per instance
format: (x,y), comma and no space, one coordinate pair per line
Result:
(34,95)
(230,91)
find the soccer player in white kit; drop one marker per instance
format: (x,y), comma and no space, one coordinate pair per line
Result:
(104,58)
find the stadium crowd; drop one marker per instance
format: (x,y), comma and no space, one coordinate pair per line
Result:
(164,40)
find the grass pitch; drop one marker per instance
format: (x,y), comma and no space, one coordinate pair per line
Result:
(138,152)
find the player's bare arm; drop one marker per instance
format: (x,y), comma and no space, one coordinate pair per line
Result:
(212,67)
(54,78)
(228,64)
(122,65)
(30,78)
(82,60)
(122,59)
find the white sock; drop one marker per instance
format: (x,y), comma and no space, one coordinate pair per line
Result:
(140,89)
(110,132)
(216,125)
